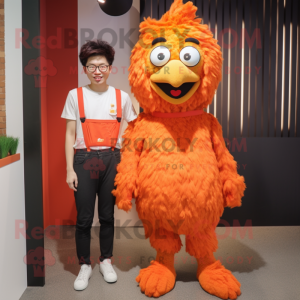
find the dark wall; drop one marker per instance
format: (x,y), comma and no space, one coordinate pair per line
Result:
(32,148)
(271,170)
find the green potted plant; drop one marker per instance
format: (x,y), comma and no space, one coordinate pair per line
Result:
(8,150)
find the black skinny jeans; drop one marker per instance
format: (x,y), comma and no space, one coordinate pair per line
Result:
(96,172)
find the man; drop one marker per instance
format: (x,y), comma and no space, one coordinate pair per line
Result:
(93,172)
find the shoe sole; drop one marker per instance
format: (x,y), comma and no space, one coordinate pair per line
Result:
(86,286)
(105,279)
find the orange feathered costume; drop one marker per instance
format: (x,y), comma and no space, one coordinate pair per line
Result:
(178,168)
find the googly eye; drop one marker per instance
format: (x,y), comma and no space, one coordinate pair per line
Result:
(160,56)
(190,56)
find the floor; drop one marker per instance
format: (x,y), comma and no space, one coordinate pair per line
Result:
(265,260)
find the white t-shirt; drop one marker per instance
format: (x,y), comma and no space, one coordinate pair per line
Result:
(97,105)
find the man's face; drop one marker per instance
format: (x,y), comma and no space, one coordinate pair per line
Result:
(97,77)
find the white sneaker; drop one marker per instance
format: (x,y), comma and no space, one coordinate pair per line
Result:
(107,270)
(83,277)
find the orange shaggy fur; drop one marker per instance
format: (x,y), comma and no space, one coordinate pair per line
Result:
(190,198)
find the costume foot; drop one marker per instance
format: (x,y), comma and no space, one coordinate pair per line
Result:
(156,280)
(218,281)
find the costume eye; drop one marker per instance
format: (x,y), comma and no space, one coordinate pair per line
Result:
(190,56)
(160,56)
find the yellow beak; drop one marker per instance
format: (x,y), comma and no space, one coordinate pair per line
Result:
(175,82)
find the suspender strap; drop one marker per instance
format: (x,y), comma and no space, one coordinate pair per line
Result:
(82,116)
(119,106)
(80,104)
(119,109)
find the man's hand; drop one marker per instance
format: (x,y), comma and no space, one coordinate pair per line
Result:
(72,180)
(70,139)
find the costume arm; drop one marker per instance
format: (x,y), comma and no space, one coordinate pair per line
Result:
(232,183)
(126,177)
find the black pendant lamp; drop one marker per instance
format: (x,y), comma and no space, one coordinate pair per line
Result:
(115,7)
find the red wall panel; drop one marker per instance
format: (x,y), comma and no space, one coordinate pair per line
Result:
(59,23)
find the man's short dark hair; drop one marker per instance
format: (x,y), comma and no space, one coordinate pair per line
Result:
(96,47)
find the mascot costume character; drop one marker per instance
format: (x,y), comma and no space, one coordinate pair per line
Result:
(175,162)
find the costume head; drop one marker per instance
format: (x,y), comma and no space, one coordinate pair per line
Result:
(176,64)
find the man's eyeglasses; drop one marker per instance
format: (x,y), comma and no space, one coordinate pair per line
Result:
(102,68)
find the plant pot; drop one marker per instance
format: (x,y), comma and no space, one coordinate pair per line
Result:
(9,159)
